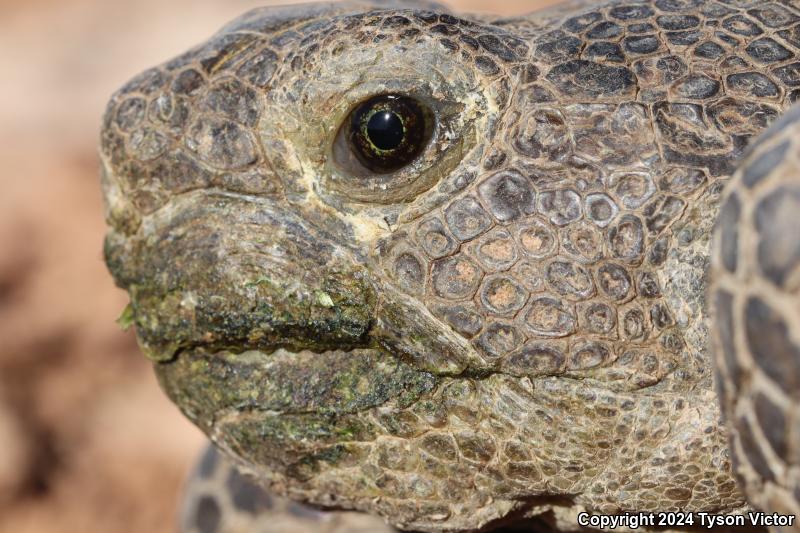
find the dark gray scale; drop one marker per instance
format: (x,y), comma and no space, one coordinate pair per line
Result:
(589,355)
(456,277)
(494,45)
(772,421)
(585,78)
(641,27)
(258,69)
(502,295)
(463,318)
(508,195)
(760,168)
(409,272)
(697,87)
(626,238)
(218,50)
(605,51)
(677,22)
(232,99)
(644,44)
(549,317)
(660,316)
(561,207)
(728,39)
(774,15)
(631,12)
(147,82)
(188,82)
(678,5)
(130,113)
(208,515)
(684,38)
(648,285)
(537,358)
(709,50)
(791,36)
(788,74)
(769,342)
(434,239)
(581,22)
(600,318)
(570,280)
(734,63)
(683,181)
(752,449)
(715,10)
(499,340)
(752,83)
(557,46)
(634,325)
(614,281)
(487,66)
(604,30)
(672,67)
(767,51)
(741,25)
(661,212)
(466,218)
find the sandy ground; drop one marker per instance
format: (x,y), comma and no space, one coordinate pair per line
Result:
(87,441)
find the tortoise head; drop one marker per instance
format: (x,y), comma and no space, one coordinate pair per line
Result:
(447,270)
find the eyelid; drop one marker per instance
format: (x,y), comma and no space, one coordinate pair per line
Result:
(302,143)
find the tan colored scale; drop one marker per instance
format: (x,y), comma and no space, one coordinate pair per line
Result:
(512,325)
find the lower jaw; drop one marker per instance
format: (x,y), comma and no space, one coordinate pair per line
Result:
(212,386)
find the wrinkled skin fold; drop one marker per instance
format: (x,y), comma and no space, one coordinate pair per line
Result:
(512,324)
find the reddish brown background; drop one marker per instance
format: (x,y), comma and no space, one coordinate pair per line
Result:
(87,441)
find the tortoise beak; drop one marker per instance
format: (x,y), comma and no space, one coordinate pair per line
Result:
(229,272)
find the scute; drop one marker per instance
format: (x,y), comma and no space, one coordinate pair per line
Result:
(755,315)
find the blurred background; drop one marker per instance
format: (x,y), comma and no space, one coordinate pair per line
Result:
(88,443)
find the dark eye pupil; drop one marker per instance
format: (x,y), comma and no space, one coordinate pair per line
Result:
(385,130)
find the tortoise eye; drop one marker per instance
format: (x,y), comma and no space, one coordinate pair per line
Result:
(389,131)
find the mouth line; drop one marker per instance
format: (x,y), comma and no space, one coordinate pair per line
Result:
(250,346)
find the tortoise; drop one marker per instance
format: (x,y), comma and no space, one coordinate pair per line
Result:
(451,270)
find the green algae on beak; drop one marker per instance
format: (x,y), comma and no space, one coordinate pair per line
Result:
(126,318)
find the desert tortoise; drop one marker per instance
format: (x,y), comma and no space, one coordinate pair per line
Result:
(449,270)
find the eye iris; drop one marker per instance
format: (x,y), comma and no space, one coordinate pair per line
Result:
(388,132)
(385,130)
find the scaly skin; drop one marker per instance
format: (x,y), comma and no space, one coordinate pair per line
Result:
(513,323)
